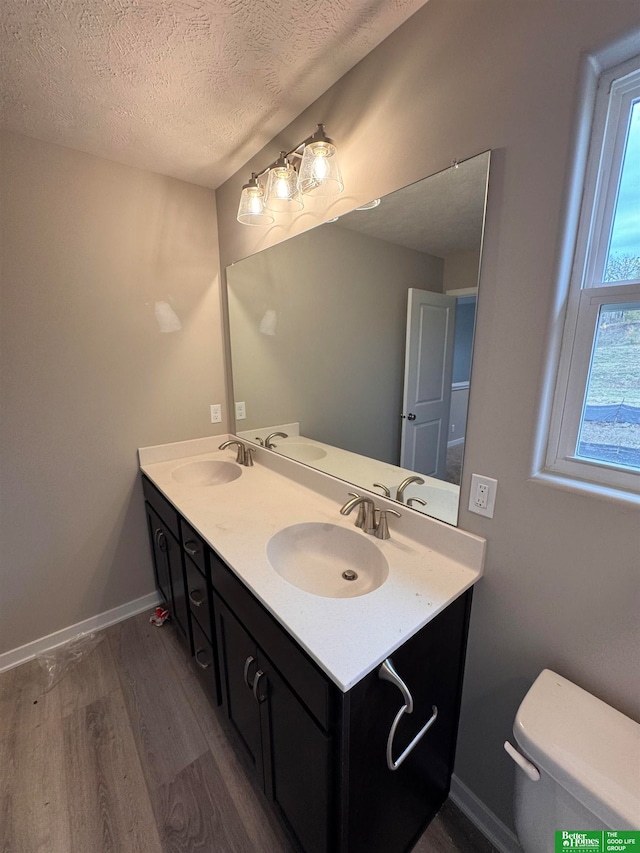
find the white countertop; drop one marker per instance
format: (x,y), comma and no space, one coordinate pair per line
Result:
(430,563)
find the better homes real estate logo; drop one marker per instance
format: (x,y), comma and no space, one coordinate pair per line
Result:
(606,841)
(578,840)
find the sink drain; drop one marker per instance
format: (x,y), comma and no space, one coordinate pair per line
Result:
(350,575)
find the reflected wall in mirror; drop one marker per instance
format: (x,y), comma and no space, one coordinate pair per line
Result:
(355,340)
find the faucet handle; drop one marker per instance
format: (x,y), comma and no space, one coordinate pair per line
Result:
(248,456)
(412,501)
(382,529)
(385,489)
(259,440)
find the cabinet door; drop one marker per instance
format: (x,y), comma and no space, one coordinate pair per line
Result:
(169,572)
(160,566)
(388,810)
(239,671)
(297,763)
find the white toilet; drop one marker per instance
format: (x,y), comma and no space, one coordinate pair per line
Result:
(579,764)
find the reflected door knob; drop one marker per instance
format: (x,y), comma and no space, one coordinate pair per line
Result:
(411,416)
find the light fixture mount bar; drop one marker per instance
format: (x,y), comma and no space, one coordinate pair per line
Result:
(296,151)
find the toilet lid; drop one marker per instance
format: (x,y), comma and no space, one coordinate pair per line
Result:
(589,748)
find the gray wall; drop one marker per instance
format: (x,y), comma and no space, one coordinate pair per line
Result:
(86,376)
(335,362)
(561,586)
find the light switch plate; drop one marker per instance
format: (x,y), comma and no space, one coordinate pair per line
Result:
(482,497)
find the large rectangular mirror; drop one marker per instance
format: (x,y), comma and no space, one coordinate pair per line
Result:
(355,340)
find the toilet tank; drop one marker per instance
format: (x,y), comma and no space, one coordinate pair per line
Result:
(588,755)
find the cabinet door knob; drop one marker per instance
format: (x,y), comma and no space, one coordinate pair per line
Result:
(197,602)
(247,665)
(191,547)
(259,697)
(199,662)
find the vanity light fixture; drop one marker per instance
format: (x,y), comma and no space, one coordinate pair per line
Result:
(311,168)
(251,210)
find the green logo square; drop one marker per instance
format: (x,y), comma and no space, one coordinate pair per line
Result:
(600,841)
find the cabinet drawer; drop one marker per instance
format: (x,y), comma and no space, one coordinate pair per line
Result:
(311,685)
(162,506)
(204,661)
(198,597)
(193,545)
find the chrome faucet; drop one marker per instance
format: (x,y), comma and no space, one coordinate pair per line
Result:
(241,456)
(407,482)
(268,443)
(367,514)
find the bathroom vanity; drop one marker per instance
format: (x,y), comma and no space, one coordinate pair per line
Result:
(323,692)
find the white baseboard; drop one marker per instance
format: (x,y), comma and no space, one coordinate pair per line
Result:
(489,825)
(95,623)
(455,442)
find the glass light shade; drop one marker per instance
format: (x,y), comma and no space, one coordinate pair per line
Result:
(282,193)
(251,210)
(319,170)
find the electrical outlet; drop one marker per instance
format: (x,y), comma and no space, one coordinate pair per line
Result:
(482,497)
(216,413)
(241,411)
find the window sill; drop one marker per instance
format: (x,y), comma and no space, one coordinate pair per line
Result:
(598,490)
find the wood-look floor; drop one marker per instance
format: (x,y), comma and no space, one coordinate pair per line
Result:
(125,755)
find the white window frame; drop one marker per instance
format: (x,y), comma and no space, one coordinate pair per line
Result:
(618,88)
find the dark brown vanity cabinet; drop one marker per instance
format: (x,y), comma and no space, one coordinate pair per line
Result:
(322,756)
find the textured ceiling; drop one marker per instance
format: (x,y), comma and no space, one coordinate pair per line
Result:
(440,215)
(187,88)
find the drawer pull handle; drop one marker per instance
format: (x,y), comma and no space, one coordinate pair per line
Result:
(387,672)
(162,541)
(197,602)
(247,665)
(191,547)
(259,697)
(199,662)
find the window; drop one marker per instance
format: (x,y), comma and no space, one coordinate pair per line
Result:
(594,432)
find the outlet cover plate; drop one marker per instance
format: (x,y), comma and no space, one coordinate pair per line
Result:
(482,497)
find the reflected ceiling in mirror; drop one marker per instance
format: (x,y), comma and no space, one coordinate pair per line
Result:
(355,340)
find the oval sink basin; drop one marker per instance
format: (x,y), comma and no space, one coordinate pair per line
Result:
(324,558)
(206,473)
(302,452)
